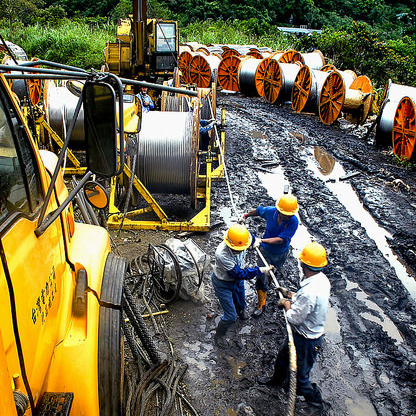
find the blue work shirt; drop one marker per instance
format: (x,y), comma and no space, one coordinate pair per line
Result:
(286,230)
(145,99)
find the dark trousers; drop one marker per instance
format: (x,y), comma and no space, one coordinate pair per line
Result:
(306,352)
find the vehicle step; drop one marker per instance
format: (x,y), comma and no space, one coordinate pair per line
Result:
(56,404)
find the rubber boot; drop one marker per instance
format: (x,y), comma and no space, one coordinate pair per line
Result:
(261,296)
(219,337)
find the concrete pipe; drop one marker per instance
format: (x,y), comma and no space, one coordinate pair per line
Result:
(203,70)
(393,93)
(404,130)
(278,80)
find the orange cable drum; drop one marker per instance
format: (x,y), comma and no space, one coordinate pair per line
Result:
(404,130)
(301,89)
(183,63)
(230,52)
(227,74)
(272,81)
(290,56)
(328,68)
(331,98)
(259,75)
(203,69)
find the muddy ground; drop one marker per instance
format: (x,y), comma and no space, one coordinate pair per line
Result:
(368,361)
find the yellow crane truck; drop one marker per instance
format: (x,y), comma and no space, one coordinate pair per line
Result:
(61,346)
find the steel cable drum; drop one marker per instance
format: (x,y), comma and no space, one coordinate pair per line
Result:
(307,88)
(331,97)
(247,76)
(358,100)
(165,152)
(60,104)
(259,75)
(404,130)
(393,93)
(278,81)
(184,61)
(227,75)
(314,60)
(203,70)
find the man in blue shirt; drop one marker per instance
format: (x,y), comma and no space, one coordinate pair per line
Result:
(145,100)
(306,311)
(228,278)
(281,225)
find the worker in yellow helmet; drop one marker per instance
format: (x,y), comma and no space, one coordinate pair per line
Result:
(281,225)
(306,311)
(228,278)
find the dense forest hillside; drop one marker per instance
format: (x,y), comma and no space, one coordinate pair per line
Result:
(372,37)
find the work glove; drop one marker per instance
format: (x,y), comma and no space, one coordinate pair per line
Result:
(281,303)
(242,219)
(266,269)
(257,243)
(285,292)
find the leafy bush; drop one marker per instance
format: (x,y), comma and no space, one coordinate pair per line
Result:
(72,43)
(359,48)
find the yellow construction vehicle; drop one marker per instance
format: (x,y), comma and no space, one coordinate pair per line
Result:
(144,48)
(61,347)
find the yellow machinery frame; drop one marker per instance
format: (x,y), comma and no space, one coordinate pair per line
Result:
(200,222)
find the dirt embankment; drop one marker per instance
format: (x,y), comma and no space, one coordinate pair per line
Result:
(368,363)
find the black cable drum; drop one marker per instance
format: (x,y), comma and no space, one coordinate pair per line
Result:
(247,77)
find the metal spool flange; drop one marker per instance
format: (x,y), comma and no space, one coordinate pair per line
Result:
(331,99)
(202,70)
(183,63)
(227,75)
(328,68)
(404,130)
(259,76)
(230,52)
(272,81)
(290,56)
(301,89)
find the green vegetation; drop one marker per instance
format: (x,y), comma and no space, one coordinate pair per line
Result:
(372,37)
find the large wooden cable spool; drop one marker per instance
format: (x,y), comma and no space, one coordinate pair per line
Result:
(278,81)
(392,95)
(184,61)
(230,52)
(404,130)
(247,76)
(328,68)
(358,100)
(258,54)
(290,56)
(307,88)
(21,87)
(259,75)
(227,75)
(203,70)
(167,153)
(331,98)
(314,60)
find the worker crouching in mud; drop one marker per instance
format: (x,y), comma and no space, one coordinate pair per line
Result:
(306,312)
(228,278)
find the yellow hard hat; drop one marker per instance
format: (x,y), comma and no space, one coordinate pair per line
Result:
(287,205)
(314,255)
(237,237)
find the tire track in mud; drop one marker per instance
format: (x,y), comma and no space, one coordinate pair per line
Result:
(364,287)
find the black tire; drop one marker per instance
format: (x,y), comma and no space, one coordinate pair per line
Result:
(110,339)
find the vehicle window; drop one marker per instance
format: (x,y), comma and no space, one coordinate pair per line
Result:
(165,37)
(19,177)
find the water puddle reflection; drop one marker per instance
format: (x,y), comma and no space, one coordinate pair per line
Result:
(344,192)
